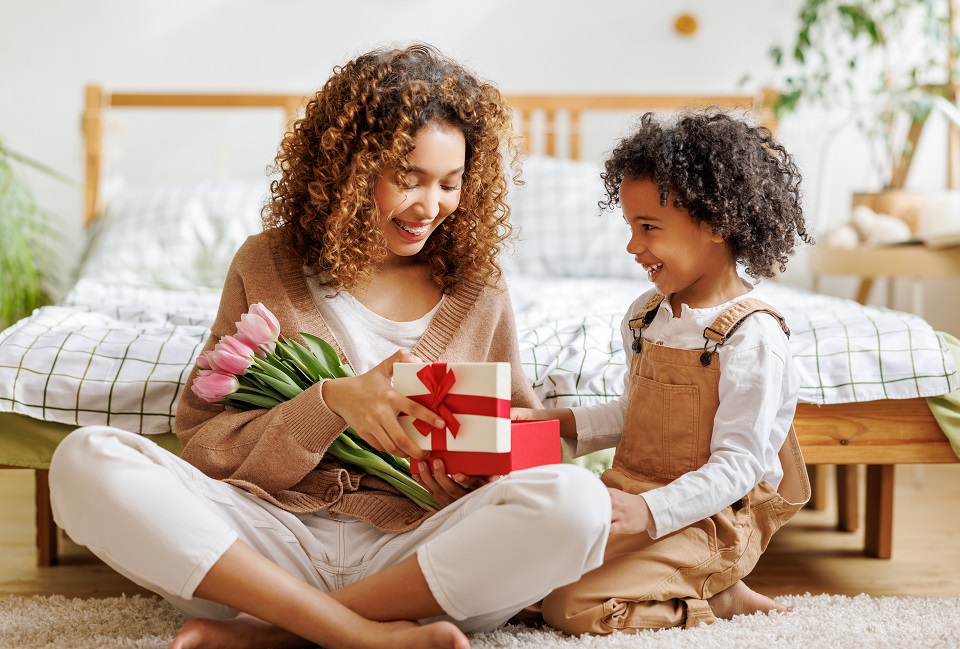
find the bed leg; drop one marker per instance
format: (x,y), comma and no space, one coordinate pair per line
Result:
(46,528)
(817,475)
(848,507)
(878,526)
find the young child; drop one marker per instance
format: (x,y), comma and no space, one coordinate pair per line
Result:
(706,466)
(382,235)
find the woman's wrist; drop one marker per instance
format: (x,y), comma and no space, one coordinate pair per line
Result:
(328,394)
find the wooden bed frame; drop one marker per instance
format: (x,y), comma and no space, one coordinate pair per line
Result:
(879,434)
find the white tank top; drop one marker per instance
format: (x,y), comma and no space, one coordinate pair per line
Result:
(365,337)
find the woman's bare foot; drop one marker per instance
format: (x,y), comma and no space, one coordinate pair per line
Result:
(739,599)
(241,632)
(245,632)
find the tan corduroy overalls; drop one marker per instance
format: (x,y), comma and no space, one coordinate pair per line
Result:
(653,584)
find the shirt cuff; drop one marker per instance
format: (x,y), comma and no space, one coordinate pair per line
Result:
(589,439)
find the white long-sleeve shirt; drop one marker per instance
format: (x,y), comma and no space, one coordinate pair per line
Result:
(758,387)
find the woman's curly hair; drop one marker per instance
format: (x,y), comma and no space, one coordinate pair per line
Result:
(726,173)
(363,119)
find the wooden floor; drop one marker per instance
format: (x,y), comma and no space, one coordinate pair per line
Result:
(806,556)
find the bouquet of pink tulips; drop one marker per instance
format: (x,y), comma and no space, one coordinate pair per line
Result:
(258,368)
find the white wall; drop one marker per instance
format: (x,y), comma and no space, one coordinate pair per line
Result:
(49,49)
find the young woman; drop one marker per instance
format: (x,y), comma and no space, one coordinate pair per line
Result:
(381,238)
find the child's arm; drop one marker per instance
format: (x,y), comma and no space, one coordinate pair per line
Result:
(568,423)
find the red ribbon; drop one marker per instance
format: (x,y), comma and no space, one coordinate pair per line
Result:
(439,380)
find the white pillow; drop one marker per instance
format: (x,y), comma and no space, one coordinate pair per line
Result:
(563,232)
(174,236)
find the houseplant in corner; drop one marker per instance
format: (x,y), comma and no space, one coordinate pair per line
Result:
(881,63)
(24,230)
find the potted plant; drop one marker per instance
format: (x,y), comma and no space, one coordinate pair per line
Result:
(24,231)
(882,64)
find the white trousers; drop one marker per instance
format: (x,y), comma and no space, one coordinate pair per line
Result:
(162,523)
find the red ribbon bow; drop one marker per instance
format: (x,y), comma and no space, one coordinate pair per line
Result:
(439,380)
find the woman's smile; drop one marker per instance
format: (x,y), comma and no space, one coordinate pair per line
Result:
(412,231)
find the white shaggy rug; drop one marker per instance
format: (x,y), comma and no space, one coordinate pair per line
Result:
(832,621)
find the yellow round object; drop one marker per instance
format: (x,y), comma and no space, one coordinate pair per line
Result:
(685,24)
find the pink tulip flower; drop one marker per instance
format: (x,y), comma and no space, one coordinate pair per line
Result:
(259,328)
(205,362)
(213,386)
(231,355)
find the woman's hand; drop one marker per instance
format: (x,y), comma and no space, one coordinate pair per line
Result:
(630,513)
(371,406)
(446,488)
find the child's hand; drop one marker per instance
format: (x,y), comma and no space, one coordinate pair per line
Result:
(446,488)
(568,423)
(630,514)
(371,406)
(523,414)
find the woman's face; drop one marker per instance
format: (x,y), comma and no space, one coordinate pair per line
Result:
(412,207)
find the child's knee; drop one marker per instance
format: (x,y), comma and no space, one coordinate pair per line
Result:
(571,611)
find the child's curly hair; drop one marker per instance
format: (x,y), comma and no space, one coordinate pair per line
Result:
(365,118)
(733,176)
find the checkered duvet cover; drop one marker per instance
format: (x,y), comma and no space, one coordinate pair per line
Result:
(119,355)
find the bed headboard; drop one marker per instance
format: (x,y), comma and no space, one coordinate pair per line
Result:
(562,115)
(551,120)
(99,101)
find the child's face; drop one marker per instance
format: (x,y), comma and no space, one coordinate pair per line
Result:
(682,257)
(411,211)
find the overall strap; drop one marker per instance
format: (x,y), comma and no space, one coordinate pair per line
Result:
(730,320)
(642,319)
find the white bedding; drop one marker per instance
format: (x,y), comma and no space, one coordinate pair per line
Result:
(845,352)
(118,355)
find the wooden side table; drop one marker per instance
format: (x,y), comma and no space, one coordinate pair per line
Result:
(908,261)
(914,262)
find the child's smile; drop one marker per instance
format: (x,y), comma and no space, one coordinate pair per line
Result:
(652,270)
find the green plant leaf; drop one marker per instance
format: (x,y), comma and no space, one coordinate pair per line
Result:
(313,364)
(282,362)
(324,352)
(24,231)
(293,362)
(346,450)
(284,388)
(247,401)
(251,384)
(776,55)
(277,379)
(272,365)
(39,166)
(399,463)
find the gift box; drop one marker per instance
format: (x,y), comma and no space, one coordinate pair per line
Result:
(474,401)
(533,443)
(472,398)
